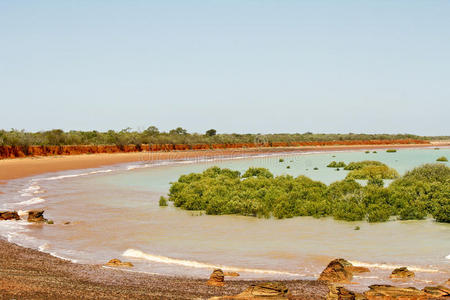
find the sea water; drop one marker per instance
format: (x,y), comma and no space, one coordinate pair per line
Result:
(114,213)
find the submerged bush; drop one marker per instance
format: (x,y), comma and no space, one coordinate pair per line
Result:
(373,173)
(391,150)
(420,192)
(442,158)
(162,201)
(335,164)
(357,165)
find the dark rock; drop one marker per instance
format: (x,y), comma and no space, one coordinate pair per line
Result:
(36,216)
(9,215)
(401,273)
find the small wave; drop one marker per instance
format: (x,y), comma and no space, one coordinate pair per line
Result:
(44,247)
(194,264)
(32,201)
(29,191)
(62,257)
(391,267)
(72,175)
(448,256)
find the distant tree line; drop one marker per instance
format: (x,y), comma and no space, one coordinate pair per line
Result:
(152,135)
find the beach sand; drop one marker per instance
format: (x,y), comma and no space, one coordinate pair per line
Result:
(31,274)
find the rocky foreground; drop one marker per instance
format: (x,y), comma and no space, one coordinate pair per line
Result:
(30,274)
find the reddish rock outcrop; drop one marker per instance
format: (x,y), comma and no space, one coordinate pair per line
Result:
(36,216)
(9,215)
(217,278)
(118,263)
(401,273)
(337,271)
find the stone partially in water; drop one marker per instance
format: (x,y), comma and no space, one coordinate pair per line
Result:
(36,216)
(402,272)
(118,263)
(217,278)
(337,271)
(231,274)
(9,215)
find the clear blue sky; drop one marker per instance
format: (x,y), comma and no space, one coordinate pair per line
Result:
(237,66)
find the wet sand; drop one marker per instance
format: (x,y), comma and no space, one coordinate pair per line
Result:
(29,166)
(30,274)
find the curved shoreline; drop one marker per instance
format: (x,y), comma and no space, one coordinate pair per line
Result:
(31,274)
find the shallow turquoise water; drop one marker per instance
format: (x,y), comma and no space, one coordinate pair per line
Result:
(115,211)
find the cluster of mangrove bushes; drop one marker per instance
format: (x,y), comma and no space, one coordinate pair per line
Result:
(153,135)
(423,191)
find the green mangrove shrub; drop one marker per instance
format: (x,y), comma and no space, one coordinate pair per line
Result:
(442,158)
(335,164)
(421,192)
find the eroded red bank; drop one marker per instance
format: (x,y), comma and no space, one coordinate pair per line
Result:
(20,151)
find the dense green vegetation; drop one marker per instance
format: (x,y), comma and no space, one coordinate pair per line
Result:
(372,172)
(423,191)
(153,135)
(391,150)
(335,164)
(442,158)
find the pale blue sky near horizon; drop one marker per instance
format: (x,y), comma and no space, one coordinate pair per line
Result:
(237,66)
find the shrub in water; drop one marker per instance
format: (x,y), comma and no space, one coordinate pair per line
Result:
(281,160)
(442,158)
(162,201)
(420,192)
(335,164)
(391,150)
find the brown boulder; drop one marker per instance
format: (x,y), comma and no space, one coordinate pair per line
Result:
(392,292)
(216,278)
(337,271)
(402,272)
(36,216)
(118,263)
(231,274)
(9,215)
(270,290)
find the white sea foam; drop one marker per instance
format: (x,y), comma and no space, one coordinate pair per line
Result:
(391,267)
(195,264)
(44,247)
(448,256)
(71,175)
(31,201)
